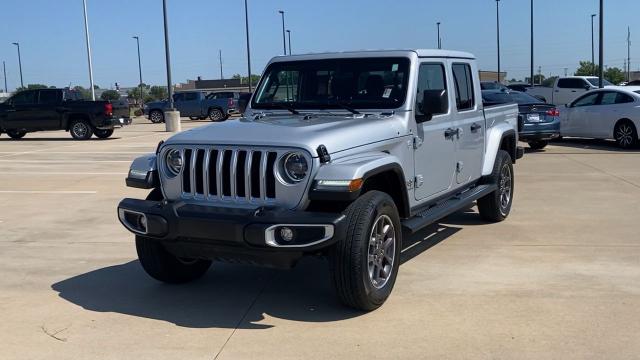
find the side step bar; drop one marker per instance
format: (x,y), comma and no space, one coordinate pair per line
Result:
(446,207)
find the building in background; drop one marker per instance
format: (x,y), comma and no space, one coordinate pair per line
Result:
(492,76)
(200,84)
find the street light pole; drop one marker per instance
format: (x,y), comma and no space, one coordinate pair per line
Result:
(220,58)
(19,63)
(284,41)
(4,70)
(439,41)
(167,54)
(498,34)
(593,58)
(601,49)
(289,35)
(139,70)
(86,36)
(246,24)
(532,64)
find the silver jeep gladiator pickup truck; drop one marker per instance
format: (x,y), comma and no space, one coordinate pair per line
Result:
(338,154)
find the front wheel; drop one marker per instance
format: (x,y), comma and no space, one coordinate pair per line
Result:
(16,134)
(166,267)
(625,134)
(496,206)
(81,130)
(538,144)
(156,116)
(103,134)
(365,263)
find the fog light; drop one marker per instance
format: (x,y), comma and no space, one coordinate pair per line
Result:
(286,234)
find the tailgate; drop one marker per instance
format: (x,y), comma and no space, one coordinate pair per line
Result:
(120,109)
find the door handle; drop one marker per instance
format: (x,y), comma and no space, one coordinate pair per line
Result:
(450,132)
(475,127)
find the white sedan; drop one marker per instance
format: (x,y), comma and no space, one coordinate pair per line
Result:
(610,113)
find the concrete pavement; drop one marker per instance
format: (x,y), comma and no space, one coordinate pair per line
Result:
(559,279)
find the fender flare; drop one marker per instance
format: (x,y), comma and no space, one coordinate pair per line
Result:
(495,138)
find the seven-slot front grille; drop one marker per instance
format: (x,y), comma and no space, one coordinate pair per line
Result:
(229,174)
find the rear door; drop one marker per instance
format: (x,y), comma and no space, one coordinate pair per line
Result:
(469,123)
(22,112)
(49,109)
(611,107)
(192,104)
(568,89)
(579,114)
(434,157)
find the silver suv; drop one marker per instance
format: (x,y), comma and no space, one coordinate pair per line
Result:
(337,154)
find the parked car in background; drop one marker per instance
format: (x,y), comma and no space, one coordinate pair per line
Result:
(610,113)
(492,85)
(522,87)
(342,160)
(233,97)
(565,89)
(192,104)
(633,83)
(538,122)
(60,109)
(243,101)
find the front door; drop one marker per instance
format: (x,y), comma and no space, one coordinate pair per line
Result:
(569,89)
(191,104)
(22,111)
(434,157)
(469,124)
(576,123)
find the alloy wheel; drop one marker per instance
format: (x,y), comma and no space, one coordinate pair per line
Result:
(504,187)
(382,249)
(624,135)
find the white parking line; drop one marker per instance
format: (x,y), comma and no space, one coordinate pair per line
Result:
(29,173)
(65,161)
(46,192)
(85,152)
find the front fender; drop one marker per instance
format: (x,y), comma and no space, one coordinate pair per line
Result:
(357,166)
(495,135)
(143,173)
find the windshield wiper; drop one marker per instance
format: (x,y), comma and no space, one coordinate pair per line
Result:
(286,107)
(347,107)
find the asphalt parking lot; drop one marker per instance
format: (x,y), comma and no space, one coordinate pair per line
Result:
(559,279)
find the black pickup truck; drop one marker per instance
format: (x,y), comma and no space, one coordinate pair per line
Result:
(60,109)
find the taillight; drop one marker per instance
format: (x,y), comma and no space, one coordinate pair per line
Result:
(553,112)
(108,109)
(230,102)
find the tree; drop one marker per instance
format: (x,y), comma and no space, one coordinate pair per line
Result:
(84,93)
(587,68)
(110,95)
(243,79)
(614,75)
(134,94)
(158,92)
(548,82)
(33,87)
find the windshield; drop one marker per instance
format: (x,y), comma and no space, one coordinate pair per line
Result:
(507,97)
(362,83)
(596,82)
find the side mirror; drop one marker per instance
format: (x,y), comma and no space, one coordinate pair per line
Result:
(567,105)
(587,87)
(434,102)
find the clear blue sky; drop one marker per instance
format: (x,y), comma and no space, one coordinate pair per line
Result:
(53,50)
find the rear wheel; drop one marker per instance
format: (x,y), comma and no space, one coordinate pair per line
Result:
(497,205)
(194,118)
(164,266)
(16,134)
(156,116)
(626,134)
(365,263)
(103,134)
(81,130)
(216,115)
(538,144)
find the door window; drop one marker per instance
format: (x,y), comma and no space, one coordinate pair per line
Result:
(178,97)
(24,98)
(50,97)
(571,84)
(586,100)
(430,77)
(464,86)
(608,98)
(190,96)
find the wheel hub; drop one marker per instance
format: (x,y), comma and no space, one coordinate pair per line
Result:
(382,246)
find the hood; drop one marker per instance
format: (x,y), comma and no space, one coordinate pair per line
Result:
(336,132)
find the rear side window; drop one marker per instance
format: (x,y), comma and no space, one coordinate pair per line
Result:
(178,97)
(430,77)
(623,98)
(586,100)
(50,97)
(464,86)
(24,98)
(571,84)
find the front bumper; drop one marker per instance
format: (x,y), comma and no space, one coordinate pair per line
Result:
(227,233)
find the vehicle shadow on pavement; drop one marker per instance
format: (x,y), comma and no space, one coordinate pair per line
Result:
(229,295)
(594,144)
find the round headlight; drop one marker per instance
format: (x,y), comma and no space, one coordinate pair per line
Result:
(295,167)
(174,161)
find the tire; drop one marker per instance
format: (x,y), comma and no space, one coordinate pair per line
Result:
(194,118)
(216,114)
(496,206)
(81,130)
(103,134)
(164,266)
(156,116)
(626,134)
(350,266)
(16,134)
(538,144)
